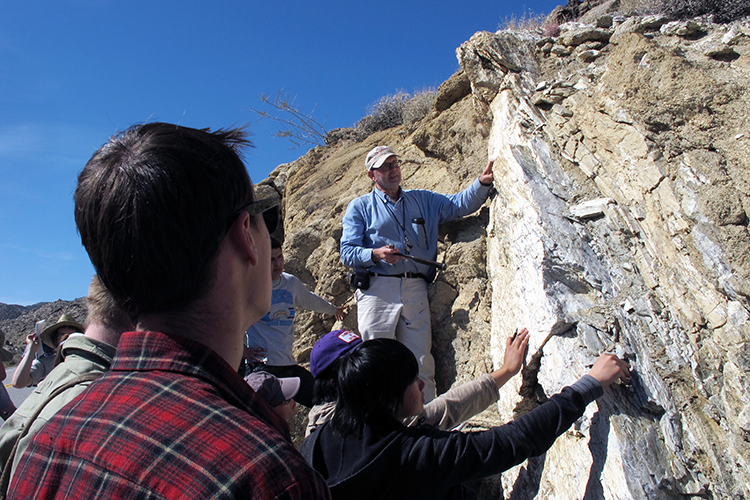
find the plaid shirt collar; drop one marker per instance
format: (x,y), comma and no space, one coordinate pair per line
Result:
(151,351)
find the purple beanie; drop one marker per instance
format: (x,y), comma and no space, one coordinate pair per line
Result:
(330,347)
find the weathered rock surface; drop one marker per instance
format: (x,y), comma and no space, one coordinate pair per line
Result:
(658,274)
(620,224)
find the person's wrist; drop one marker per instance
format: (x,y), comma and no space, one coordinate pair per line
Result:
(501,375)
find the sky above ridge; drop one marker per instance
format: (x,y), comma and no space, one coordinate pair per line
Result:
(73,73)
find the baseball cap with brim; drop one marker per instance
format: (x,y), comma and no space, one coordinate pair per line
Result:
(271,389)
(5,354)
(377,156)
(65,320)
(330,347)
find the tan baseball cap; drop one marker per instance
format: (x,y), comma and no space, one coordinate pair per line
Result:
(377,156)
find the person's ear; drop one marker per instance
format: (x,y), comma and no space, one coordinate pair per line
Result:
(371,175)
(244,236)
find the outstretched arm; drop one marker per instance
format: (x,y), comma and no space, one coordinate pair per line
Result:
(305,299)
(22,375)
(496,450)
(254,354)
(340,313)
(469,200)
(466,400)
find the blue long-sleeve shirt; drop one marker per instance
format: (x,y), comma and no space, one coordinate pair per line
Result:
(373,221)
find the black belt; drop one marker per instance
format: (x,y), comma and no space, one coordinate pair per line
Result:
(402,275)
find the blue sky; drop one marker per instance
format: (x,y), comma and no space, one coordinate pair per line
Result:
(73,73)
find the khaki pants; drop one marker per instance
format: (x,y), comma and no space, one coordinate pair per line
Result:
(397,308)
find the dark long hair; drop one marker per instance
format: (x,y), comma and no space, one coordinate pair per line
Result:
(325,388)
(372,381)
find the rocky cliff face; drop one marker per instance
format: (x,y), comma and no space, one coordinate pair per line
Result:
(620,224)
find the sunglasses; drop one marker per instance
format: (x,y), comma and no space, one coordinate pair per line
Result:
(269,207)
(386,167)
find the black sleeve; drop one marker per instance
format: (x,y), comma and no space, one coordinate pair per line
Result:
(456,457)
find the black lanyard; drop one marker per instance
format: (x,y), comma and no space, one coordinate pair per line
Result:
(408,246)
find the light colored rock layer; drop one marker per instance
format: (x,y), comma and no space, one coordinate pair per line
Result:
(620,225)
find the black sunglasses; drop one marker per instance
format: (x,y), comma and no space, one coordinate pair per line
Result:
(269,207)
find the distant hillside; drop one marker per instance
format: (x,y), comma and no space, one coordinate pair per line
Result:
(11,311)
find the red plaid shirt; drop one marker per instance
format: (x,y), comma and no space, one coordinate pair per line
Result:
(170,420)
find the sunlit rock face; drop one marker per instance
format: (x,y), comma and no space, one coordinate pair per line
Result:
(619,224)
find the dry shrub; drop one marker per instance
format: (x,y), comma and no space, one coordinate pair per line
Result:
(394,110)
(299,128)
(418,105)
(528,21)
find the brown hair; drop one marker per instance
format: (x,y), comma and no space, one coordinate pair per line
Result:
(152,207)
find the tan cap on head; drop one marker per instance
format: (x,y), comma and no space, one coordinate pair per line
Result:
(377,156)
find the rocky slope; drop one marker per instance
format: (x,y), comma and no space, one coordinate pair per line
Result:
(620,224)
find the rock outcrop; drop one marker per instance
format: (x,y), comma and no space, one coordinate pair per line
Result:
(620,224)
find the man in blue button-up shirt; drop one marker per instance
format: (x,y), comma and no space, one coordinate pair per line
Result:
(390,221)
